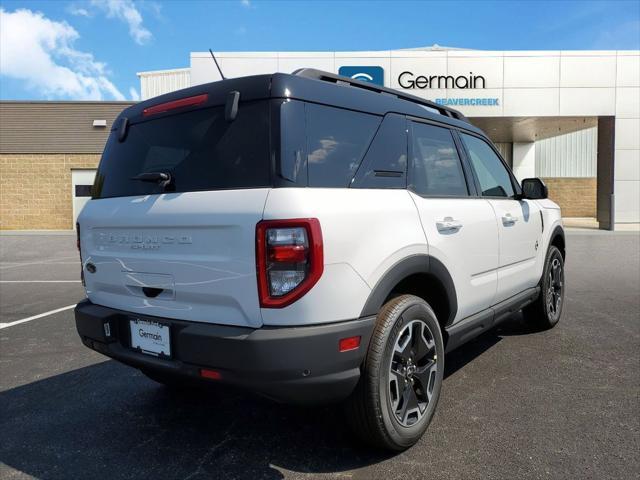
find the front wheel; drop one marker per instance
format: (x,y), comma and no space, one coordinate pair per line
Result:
(547,309)
(401,378)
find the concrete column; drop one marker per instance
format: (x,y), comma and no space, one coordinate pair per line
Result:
(524,160)
(606,156)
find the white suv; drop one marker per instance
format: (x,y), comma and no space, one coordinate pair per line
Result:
(314,239)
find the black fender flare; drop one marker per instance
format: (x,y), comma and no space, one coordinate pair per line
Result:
(559,232)
(404,268)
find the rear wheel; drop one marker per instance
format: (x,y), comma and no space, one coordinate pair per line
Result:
(401,378)
(547,309)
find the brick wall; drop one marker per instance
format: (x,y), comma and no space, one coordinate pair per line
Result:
(576,196)
(35,190)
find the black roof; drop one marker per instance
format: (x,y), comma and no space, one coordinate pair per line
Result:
(318,87)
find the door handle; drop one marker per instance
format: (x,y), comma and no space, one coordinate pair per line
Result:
(508,220)
(448,225)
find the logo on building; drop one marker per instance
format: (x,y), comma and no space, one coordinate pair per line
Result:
(371,74)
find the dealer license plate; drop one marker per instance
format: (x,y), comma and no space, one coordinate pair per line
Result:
(152,338)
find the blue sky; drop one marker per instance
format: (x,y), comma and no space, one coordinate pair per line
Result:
(92,49)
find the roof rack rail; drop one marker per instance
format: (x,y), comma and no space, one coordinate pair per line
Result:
(332,77)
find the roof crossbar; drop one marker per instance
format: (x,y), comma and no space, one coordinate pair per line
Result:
(338,79)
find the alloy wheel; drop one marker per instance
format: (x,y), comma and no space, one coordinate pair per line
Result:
(412,372)
(554,289)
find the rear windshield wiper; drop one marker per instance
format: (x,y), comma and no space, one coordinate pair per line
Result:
(161,178)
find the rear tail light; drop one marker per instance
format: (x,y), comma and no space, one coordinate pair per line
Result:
(289,259)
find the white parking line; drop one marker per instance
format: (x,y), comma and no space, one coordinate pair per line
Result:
(35,317)
(53,261)
(40,281)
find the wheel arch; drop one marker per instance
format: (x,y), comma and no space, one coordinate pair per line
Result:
(420,275)
(558,241)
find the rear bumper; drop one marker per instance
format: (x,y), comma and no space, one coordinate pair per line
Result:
(300,365)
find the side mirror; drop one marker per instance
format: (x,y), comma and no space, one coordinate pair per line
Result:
(534,189)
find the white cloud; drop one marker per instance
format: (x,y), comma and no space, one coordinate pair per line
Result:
(126,11)
(40,52)
(133,93)
(78,11)
(246,3)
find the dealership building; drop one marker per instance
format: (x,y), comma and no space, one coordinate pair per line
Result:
(569,117)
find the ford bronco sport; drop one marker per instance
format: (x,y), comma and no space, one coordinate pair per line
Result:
(314,239)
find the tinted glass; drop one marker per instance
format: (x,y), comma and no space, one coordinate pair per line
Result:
(493,176)
(199,149)
(293,148)
(436,169)
(385,164)
(336,142)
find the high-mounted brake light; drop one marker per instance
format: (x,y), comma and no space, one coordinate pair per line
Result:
(172,105)
(289,259)
(210,374)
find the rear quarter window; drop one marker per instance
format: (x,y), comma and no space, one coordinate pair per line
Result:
(385,164)
(337,140)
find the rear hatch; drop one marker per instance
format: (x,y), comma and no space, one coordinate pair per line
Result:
(179,241)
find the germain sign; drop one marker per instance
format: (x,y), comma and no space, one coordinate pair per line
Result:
(408,80)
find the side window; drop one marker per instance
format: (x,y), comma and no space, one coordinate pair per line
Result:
(436,169)
(385,164)
(494,178)
(337,140)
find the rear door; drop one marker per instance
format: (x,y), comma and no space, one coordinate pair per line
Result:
(460,228)
(519,221)
(185,250)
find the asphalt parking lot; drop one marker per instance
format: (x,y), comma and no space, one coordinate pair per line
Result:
(516,403)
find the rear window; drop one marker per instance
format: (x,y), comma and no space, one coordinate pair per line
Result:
(199,149)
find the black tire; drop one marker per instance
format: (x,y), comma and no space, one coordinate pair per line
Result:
(546,310)
(169,380)
(375,408)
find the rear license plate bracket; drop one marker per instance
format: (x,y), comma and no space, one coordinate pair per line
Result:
(150,337)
